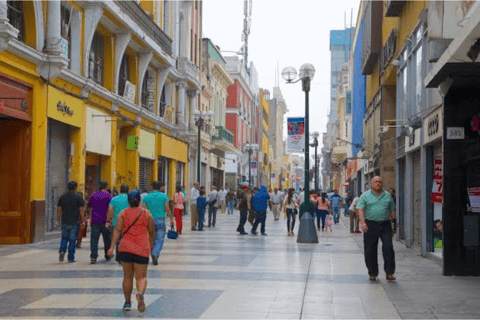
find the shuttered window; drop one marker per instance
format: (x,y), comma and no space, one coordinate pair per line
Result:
(146,174)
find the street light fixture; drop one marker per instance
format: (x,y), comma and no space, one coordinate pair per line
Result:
(201,118)
(315,136)
(307,232)
(250,148)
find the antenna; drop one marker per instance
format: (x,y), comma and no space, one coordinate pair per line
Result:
(247,21)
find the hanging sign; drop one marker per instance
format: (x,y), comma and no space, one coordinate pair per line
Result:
(437,187)
(296,135)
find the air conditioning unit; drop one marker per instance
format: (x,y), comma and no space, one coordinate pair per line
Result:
(383,129)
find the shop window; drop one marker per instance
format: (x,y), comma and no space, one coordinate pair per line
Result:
(145,91)
(124,75)
(96,62)
(163,102)
(15,17)
(179,177)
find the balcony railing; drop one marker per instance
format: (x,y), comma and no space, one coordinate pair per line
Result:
(145,22)
(186,67)
(224,134)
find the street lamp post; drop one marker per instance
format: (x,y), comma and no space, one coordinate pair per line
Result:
(250,148)
(315,135)
(307,232)
(201,118)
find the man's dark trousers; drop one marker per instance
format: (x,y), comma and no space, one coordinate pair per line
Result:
(260,217)
(243,220)
(212,215)
(379,230)
(97,229)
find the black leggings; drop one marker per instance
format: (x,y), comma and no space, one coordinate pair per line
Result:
(290,216)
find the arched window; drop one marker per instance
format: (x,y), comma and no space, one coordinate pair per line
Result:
(95,59)
(145,90)
(163,102)
(15,17)
(124,75)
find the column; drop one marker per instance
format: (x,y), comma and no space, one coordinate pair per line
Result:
(77,168)
(193,106)
(180,114)
(52,43)
(3,11)
(172,170)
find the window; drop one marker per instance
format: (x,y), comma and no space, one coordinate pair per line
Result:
(124,75)
(96,59)
(179,174)
(145,90)
(15,16)
(163,102)
(65,30)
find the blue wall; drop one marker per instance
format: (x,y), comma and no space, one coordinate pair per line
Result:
(358,93)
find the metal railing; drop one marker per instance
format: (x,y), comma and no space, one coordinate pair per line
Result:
(224,134)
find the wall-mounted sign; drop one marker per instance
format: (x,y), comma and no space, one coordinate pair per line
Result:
(99,132)
(130,91)
(62,107)
(132,143)
(412,141)
(433,126)
(63,47)
(455,133)
(437,187)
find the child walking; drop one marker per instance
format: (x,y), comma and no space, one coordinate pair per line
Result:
(328,221)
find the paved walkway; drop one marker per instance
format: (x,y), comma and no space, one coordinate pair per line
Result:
(219,274)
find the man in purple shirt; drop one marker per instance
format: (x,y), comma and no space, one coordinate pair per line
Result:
(98,205)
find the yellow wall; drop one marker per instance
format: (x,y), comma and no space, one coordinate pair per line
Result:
(171,148)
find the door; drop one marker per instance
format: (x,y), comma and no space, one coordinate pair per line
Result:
(416,200)
(146,174)
(57,169)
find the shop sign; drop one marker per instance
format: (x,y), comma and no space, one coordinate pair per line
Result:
(412,142)
(65,108)
(62,107)
(437,187)
(455,133)
(146,145)
(433,126)
(352,169)
(99,132)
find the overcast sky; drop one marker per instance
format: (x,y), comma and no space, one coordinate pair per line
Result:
(287,32)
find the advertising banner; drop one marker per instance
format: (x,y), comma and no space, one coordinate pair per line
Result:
(437,192)
(295,135)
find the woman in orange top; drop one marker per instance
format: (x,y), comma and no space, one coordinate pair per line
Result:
(322,206)
(138,229)
(178,199)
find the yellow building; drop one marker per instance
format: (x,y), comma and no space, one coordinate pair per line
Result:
(265,151)
(110,105)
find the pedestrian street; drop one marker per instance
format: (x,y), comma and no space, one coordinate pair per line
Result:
(219,274)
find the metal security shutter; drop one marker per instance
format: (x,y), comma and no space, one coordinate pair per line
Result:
(146,173)
(57,169)
(416,198)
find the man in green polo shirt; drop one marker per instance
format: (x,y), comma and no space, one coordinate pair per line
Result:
(375,209)
(157,202)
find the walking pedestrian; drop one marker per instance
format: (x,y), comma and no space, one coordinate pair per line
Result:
(222,200)
(243,207)
(184,191)
(118,204)
(348,202)
(201,207)
(375,209)
(157,203)
(328,222)
(230,201)
(143,194)
(98,204)
(70,214)
(260,204)
(137,226)
(212,207)
(352,212)
(82,233)
(322,207)
(290,204)
(276,201)
(194,193)
(251,210)
(336,203)
(178,208)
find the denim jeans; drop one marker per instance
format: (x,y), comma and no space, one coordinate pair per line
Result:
(336,214)
(260,217)
(69,237)
(160,230)
(201,218)
(97,229)
(230,207)
(321,215)
(212,216)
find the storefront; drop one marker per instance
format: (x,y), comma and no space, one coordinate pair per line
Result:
(146,152)
(413,213)
(172,157)
(65,118)
(15,159)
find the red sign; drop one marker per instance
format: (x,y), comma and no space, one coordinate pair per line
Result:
(352,168)
(437,187)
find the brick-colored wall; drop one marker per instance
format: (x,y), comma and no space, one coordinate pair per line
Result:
(231,124)
(232,99)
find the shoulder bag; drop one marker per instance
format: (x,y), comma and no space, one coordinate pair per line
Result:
(134,221)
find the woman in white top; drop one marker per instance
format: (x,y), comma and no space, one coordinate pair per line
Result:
(290,205)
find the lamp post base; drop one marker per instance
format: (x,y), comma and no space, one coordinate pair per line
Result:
(307,232)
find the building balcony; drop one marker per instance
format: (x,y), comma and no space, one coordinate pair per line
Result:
(187,68)
(146,23)
(339,152)
(224,139)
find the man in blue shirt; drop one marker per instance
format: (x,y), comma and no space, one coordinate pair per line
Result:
(260,204)
(336,202)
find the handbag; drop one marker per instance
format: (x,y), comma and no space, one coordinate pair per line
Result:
(172,234)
